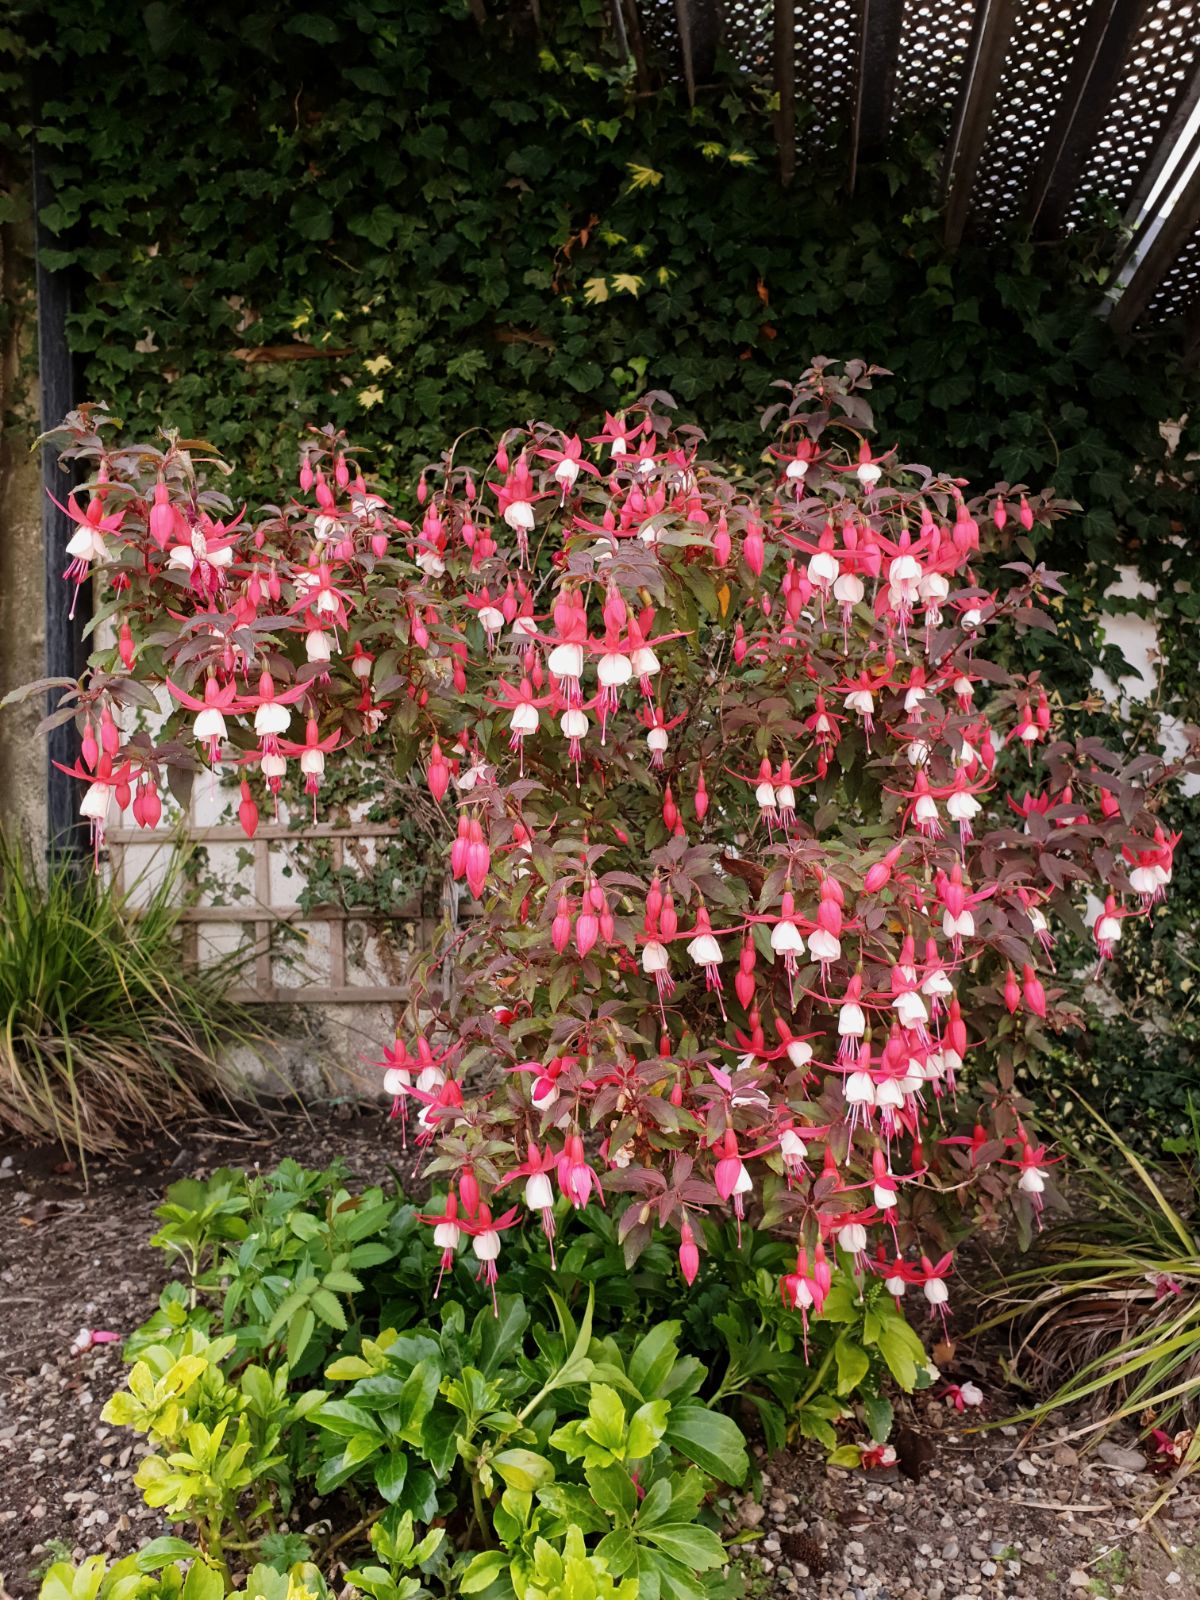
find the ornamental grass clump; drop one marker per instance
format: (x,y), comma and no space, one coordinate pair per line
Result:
(105,1034)
(768,850)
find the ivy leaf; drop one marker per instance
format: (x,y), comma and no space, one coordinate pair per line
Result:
(311,217)
(314,25)
(378,225)
(467,364)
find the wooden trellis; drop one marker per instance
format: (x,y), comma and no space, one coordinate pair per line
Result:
(264,916)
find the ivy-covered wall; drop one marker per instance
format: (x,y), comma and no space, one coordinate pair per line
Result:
(469,224)
(390,215)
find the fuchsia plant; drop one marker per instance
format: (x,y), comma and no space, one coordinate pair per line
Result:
(768,853)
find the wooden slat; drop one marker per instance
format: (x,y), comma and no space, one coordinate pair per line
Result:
(1180,223)
(250,911)
(783,51)
(230,833)
(263,979)
(699,24)
(879,24)
(1095,72)
(337,930)
(1186,101)
(310,995)
(637,45)
(66,609)
(990,35)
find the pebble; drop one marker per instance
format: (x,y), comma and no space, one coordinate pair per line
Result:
(1121,1457)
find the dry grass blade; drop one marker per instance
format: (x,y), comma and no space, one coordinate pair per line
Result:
(1107,1318)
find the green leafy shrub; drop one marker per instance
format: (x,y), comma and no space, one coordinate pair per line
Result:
(573,1440)
(1137,1052)
(105,1034)
(538,1450)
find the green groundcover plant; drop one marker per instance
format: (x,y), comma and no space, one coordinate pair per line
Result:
(303,1392)
(529,1455)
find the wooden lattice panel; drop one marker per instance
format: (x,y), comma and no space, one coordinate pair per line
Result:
(261,917)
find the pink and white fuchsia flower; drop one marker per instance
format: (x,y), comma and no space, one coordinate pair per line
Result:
(667,715)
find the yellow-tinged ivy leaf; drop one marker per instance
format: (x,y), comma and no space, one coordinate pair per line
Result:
(710,149)
(643,177)
(628,283)
(378,364)
(741,158)
(595,291)
(370,397)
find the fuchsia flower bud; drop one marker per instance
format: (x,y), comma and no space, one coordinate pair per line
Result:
(162,516)
(743,984)
(468,1190)
(437,773)
(247,811)
(689,1255)
(1012,992)
(1035,995)
(722,544)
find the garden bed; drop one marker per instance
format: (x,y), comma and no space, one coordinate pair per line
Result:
(987,1514)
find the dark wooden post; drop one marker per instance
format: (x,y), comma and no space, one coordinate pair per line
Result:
(66,650)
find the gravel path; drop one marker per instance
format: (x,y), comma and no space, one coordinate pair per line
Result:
(988,1514)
